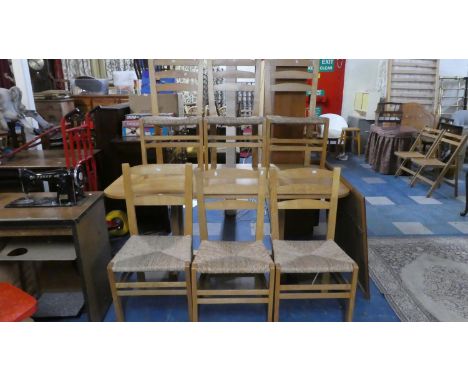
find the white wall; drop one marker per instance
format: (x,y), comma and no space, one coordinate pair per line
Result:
(363,76)
(455,68)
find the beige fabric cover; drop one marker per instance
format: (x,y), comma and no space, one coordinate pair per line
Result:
(172,121)
(153,253)
(232,257)
(313,256)
(224,120)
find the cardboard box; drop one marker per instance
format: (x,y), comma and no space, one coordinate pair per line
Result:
(167,103)
(135,132)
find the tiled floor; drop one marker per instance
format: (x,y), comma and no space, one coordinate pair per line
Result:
(394,208)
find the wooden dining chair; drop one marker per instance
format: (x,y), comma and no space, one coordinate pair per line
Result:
(167,256)
(173,132)
(305,134)
(417,149)
(231,262)
(227,77)
(448,147)
(311,262)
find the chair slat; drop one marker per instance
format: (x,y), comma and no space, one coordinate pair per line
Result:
(177,87)
(238,86)
(176,62)
(292,74)
(291,87)
(234,74)
(229,204)
(175,74)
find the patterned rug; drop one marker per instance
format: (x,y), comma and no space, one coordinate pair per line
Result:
(423,278)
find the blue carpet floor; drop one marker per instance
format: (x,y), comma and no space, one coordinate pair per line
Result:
(396,209)
(393,209)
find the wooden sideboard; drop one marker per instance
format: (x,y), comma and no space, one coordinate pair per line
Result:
(88,102)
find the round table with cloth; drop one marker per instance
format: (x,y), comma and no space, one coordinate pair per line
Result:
(382,143)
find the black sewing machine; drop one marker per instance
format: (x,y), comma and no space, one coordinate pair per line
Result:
(69,185)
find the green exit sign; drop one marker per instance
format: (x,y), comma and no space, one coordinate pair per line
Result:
(318,111)
(327,66)
(320,92)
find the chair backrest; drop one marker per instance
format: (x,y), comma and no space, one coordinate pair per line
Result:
(183,76)
(230,189)
(301,189)
(292,76)
(388,113)
(456,143)
(158,185)
(427,134)
(225,76)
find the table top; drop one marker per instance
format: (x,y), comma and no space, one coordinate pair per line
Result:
(115,189)
(26,215)
(45,159)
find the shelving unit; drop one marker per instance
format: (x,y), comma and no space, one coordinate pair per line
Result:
(453,95)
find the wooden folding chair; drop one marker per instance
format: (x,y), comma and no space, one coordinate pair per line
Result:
(166,256)
(231,262)
(455,143)
(310,262)
(308,134)
(234,82)
(171,131)
(417,149)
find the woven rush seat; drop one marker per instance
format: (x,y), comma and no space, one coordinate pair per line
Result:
(232,257)
(315,256)
(409,154)
(295,120)
(153,253)
(429,162)
(172,121)
(225,120)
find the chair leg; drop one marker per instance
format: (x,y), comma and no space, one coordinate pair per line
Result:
(194,294)
(188,287)
(400,169)
(415,177)
(271,292)
(352,298)
(359,144)
(205,144)
(277,293)
(119,314)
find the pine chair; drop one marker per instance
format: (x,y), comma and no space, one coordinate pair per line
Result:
(314,133)
(315,189)
(165,255)
(230,189)
(169,130)
(417,149)
(236,82)
(455,143)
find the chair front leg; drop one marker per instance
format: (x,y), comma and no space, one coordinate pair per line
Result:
(352,298)
(119,314)
(188,286)
(194,285)
(277,293)
(271,292)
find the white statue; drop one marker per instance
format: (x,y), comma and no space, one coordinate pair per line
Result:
(12,110)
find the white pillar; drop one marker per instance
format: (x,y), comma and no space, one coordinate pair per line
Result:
(23,81)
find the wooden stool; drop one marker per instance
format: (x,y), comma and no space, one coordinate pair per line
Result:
(355,137)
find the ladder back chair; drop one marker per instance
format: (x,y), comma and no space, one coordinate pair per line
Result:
(236,82)
(448,160)
(417,149)
(292,76)
(154,185)
(170,132)
(314,189)
(231,189)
